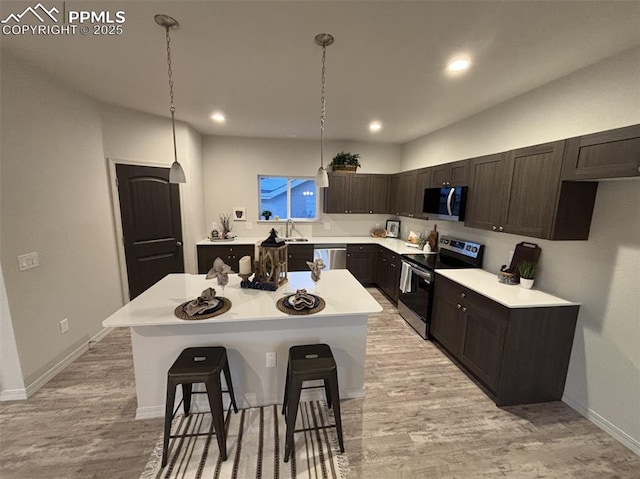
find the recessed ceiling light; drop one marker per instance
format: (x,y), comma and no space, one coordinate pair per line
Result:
(375,126)
(218,117)
(458,64)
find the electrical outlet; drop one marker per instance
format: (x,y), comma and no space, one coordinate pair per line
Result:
(64,325)
(377,225)
(271,360)
(28,261)
(248,225)
(327,226)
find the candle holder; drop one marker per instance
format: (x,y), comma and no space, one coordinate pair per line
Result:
(244,276)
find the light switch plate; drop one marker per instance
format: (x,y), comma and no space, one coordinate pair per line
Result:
(327,226)
(248,225)
(28,261)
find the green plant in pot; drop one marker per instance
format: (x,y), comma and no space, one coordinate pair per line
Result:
(527,270)
(346,162)
(267,214)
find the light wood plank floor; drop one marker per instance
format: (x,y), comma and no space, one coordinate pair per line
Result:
(422,418)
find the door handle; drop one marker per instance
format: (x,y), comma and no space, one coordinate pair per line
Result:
(179,244)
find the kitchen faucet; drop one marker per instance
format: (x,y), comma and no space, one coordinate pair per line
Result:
(289,227)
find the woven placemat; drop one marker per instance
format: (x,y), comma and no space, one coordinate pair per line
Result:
(226,306)
(286,309)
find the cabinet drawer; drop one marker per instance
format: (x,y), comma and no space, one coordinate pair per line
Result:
(361,248)
(230,254)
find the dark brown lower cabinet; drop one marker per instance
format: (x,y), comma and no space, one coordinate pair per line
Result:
(298,255)
(361,262)
(388,272)
(230,254)
(519,355)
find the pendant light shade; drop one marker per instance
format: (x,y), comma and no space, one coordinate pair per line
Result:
(323,40)
(322,178)
(176,174)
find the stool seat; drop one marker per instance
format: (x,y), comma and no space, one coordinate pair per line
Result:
(199,365)
(310,362)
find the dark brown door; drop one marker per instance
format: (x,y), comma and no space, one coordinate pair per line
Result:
(151,225)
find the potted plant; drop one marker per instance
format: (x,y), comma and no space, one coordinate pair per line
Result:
(346,162)
(267,214)
(527,270)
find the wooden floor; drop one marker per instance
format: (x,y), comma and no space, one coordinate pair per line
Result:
(422,418)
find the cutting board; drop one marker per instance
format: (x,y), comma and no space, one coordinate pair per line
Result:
(432,239)
(525,252)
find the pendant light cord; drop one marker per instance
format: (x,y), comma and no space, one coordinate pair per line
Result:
(173,108)
(323,106)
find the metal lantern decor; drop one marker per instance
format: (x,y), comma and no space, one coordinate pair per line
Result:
(272,264)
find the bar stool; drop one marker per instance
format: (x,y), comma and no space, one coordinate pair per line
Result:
(307,363)
(199,365)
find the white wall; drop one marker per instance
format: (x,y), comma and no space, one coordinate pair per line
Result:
(232,166)
(602,273)
(55,200)
(132,136)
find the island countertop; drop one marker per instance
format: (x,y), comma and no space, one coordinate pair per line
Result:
(343,295)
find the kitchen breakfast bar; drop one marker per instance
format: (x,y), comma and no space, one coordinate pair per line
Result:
(253,327)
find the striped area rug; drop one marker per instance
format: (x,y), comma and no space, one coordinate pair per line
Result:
(255,447)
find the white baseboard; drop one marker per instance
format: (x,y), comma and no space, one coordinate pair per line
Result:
(602,423)
(13,395)
(31,389)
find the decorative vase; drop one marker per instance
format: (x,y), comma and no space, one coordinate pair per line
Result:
(526,283)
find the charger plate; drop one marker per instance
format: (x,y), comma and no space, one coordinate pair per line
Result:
(284,305)
(222,307)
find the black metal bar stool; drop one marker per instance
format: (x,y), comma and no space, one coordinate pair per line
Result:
(308,363)
(199,365)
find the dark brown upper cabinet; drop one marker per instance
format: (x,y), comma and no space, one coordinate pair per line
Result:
(450,174)
(356,193)
(403,193)
(423,180)
(608,154)
(520,192)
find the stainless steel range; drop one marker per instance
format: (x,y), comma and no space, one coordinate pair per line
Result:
(417,278)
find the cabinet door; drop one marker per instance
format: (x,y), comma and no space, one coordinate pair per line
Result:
(361,262)
(450,174)
(358,193)
(423,180)
(379,194)
(394,195)
(534,179)
(229,254)
(447,323)
(460,173)
(298,255)
(407,193)
(487,193)
(336,194)
(484,335)
(608,154)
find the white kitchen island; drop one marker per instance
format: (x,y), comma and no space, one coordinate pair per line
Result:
(253,327)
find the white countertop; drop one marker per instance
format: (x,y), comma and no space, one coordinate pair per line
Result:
(343,294)
(395,245)
(511,296)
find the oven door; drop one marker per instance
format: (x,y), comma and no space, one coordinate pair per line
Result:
(415,297)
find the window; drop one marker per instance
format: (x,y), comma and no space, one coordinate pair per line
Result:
(285,197)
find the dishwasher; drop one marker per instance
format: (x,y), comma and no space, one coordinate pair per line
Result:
(334,256)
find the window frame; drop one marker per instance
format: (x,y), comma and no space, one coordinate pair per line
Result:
(289,179)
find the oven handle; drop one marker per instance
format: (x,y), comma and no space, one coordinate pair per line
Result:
(420,273)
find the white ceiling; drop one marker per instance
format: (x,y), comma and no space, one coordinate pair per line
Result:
(257,61)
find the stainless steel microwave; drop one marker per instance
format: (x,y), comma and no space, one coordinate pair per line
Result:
(446,203)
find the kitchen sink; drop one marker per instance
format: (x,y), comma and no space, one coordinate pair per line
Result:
(295,240)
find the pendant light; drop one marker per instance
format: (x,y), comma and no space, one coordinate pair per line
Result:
(176,174)
(322,179)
